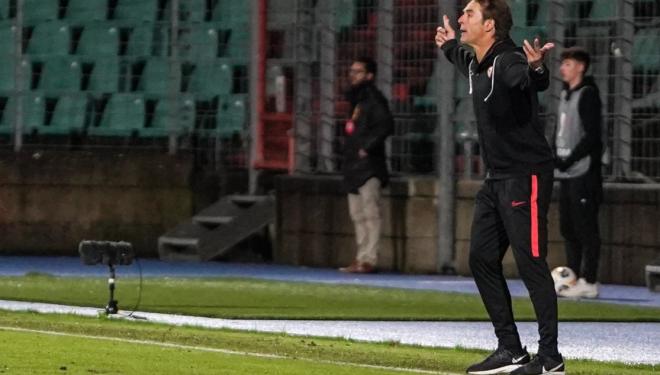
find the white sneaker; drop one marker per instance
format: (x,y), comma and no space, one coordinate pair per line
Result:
(581,289)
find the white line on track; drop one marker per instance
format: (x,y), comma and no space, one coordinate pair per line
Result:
(221,351)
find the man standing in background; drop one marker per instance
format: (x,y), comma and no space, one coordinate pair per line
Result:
(365,164)
(578,149)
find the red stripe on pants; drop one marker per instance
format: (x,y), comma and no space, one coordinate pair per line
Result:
(534,217)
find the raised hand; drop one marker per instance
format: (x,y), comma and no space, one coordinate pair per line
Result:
(444,33)
(536,53)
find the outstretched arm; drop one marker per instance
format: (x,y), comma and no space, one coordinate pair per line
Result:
(529,70)
(445,38)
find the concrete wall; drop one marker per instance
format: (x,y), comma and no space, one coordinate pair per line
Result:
(314,227)
(51,200)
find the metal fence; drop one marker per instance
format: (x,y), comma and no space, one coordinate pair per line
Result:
(621,35)
(170,75)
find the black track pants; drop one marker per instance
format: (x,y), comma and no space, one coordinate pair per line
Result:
(579,202)
(514,212)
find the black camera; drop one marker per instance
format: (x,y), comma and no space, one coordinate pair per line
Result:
(108,253)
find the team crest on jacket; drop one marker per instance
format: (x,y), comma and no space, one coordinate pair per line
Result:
(489,72)
(349,128)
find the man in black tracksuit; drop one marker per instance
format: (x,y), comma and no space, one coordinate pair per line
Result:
(511,208)
(579,148)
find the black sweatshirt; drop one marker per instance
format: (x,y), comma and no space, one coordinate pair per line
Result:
(503,88)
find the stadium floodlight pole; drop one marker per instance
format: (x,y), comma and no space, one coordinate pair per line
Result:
(18,77)
(444,146)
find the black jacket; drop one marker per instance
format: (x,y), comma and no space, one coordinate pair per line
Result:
(372,123)
(503,87)
(589,108)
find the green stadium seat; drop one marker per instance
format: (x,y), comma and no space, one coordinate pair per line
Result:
(37,11)
(34,113)
(346,14)
(8,75)
(50,38)
(238,46)
(211,79)
(232,13)
(141,41)
(61,75)
(105,76)
(189,11)
(7,40)
(4,10)
(519,12)
(70,115)
(603,10)
(232,115)
(78,11)
(156,78)
(199,42)
(99,40)
(646,50)
(136,11)
(182,121)
(124,115)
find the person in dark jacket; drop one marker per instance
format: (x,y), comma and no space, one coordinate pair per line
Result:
(512,205)
(579,149)
(365,165)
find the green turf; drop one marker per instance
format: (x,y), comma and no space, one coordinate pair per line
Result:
(240,298)
(48,354)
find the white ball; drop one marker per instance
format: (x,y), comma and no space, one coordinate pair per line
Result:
(563,278)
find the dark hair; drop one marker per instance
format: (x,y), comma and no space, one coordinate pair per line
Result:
(500,12)
(578,54)
(369,64)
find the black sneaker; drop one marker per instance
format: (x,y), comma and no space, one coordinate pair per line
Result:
(542,365)
(501,361)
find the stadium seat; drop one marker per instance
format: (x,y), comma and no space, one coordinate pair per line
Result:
(603,10)
(99,40)
(519,12)
(70,115)
(136,11)
(232,13)
(105,76)
(232,115)
(60,75)
(8,75)
(7,40)
(199,42)
(4,10)
(646,50)
(50,38)
(182,121)
(346,12)
(238,46)
(37,11)
(34,113)
(79,11)
(189,11)
(124,115)
(156,78)
(211,79)
(141,41)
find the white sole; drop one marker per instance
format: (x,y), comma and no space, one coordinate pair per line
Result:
(501,370)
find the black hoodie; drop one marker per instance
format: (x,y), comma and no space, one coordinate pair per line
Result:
(504,92)
(373,123)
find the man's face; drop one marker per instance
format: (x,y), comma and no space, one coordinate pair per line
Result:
(358,74)
(570,70)
(472,24)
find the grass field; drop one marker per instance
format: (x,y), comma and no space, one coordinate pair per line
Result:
(242,298)
(62,344)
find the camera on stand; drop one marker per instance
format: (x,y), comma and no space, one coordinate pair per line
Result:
(108,253)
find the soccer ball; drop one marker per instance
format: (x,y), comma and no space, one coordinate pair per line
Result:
(563,277)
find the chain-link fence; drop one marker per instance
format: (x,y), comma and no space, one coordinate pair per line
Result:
(621,35)
(169,75)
